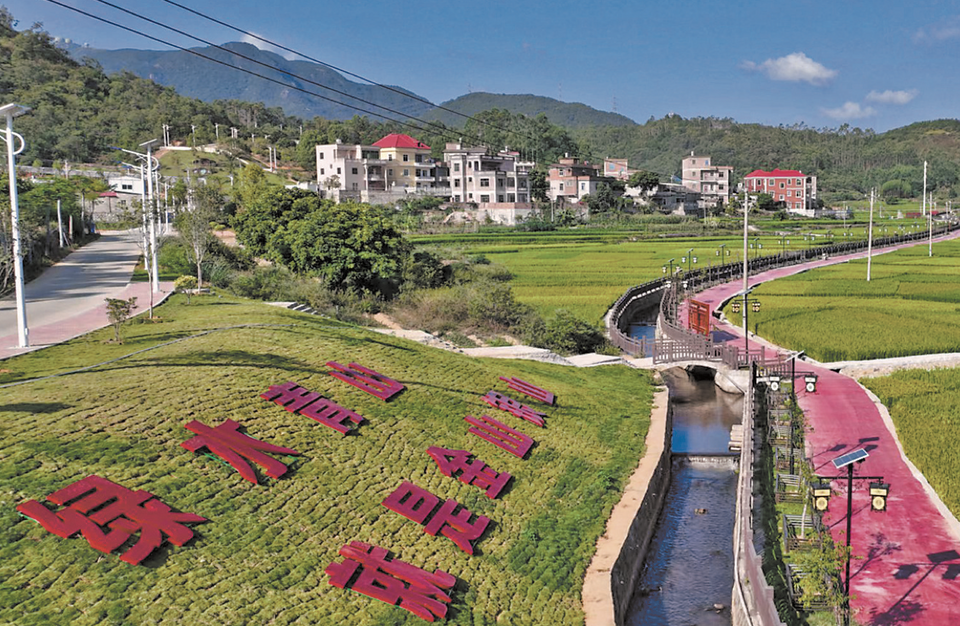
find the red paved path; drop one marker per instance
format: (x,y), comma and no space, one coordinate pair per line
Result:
(83,322)
(907,566)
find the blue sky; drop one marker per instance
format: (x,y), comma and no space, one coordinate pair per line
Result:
(879,64)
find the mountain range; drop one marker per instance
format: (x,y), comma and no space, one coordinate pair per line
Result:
(194,76)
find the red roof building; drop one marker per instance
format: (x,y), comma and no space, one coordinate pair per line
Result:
(796,190)
(399,140)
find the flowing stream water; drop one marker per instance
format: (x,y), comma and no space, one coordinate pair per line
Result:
(689,566)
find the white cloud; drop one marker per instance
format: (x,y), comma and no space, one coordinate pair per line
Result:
(946,29)
(252,39)
(892,97)
(849,111)
(794,67)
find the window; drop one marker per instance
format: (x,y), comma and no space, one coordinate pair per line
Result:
(469,165)
(484,182)
(511,183)
(781,185)
(390,172)
(419,158)
(789,193)
(476,165)
(706,162)
(321,155)
(781,197)
(456,167)
(406,158)
(470,196)
(583,186)
(322,172)
(125,187)
(510,197)
(354,186)
(500,198)
(561,186)
(499,182)
(456,182)
(770,182)
(722,187)
(521,197)
(406,172)
(353,171)
(469,179)
(338,170)
(485,198)
(456,198)
(522,184)
(799,181)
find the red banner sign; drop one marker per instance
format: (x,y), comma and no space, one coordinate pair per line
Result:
(698,317)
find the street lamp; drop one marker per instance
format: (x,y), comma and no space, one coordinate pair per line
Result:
(148,170)
(689,259)
(11,111)
(736,307)
(671,267)
(879,491)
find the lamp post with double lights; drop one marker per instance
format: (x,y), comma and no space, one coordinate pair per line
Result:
(690,260)
(879,491)
(748,303)
(10,111)
(149,165)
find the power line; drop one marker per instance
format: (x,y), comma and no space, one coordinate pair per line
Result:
(445,132)
(266,65)
(323,63)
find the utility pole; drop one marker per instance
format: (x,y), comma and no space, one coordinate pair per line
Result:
(193,132)
(870,237)
(216,129)
(10,111)
(59,223)
(924,188)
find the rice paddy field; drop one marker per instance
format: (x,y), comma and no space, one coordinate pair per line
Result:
(909,307)
(925,407)
(586,272)
(260,556)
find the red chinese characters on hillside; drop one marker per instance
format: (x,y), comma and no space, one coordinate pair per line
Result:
(228,443)
(417,590)
(472,472)
(296,399)
(372,382)
(500,435)
(117,514)
(451,520)
(532,391)
(514,408)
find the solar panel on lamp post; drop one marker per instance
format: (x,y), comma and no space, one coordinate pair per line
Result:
(848,460)
(10,111)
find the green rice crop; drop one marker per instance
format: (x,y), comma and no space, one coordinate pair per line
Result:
(925,408)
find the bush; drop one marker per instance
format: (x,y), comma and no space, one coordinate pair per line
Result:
(492,305)
(565,333)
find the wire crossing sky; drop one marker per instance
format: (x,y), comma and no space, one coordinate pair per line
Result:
(879,64)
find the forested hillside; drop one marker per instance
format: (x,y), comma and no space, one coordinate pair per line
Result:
(566,114)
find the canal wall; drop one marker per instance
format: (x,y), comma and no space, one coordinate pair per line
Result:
(615,568)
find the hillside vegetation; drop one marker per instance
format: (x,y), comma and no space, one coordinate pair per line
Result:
(260,557)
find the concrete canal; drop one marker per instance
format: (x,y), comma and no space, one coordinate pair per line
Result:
(689,566)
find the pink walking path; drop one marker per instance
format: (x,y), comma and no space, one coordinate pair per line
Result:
(83,321)
(906,567)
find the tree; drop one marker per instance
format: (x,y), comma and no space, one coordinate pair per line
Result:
(118,312)
(643,180)
(194,225)
(331,182)
(185,285)
(765,202)
(539,186)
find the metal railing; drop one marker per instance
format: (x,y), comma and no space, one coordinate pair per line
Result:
(676,343)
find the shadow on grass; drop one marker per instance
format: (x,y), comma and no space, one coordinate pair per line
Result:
(219,358)
(34,407)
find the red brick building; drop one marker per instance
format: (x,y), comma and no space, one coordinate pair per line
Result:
(796,190)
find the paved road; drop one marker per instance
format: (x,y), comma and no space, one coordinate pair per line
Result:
(906,559)
(68,298)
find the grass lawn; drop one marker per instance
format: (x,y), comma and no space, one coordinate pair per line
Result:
(260,557)
(925,406)
(908,307)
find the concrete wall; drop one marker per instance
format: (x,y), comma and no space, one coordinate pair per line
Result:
(615,568)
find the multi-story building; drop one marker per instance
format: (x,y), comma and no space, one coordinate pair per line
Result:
(408,162)
(355,168)
(796,190)
(711,181)
(476,176)
(572,179)
(617,168)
